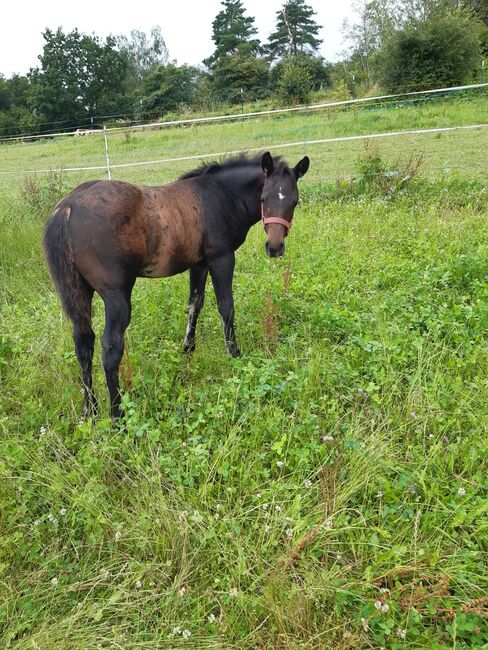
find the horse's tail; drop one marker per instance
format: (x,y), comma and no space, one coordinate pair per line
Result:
(75,292)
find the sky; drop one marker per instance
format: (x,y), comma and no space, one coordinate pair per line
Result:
(185,24)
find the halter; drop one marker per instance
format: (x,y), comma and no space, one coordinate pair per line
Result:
(266,220)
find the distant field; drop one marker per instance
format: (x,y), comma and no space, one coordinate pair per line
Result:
(463,150)
(326,490)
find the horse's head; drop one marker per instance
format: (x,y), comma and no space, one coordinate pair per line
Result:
(278,201)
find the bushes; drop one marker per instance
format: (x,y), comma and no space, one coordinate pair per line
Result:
(443,51)
(295,83)
(375,176)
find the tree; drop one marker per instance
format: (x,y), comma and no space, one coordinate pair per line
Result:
(144,52)
(480,9)
(237,78)
(79,75)
(376,21)
(294,83)
(317,71)
(232,33)
(440,51)
(295,32)
(168,87)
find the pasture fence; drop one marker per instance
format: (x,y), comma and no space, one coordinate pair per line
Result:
(129,152)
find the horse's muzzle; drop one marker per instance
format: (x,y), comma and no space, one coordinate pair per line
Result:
(273,250)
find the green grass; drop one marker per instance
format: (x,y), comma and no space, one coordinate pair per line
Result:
(264,502)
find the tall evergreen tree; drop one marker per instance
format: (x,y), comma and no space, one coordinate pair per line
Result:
(296,31)
(232,33)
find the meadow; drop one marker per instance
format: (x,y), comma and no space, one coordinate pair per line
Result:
(325,490)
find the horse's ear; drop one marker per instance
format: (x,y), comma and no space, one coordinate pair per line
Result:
(301,167)
(267,163)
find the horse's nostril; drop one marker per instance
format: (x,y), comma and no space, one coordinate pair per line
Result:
(274,250)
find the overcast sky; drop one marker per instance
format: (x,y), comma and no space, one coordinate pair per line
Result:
(186,25)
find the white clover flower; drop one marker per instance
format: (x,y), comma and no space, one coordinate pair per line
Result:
(289,532)
(380,494)
(413,415)
(51,517)
(182,591)
(329,523)
(186,634)
(81,422)
(211,618)
(401,633)
(117,535)
(54,582)
(37,522)
(62,512)
(138,584)
(288,520)
(307,483)
(384,590)
(176,630)
(183,515)
(364,624)
(381,607)
(461,491)
(43,431)
(265,506)
(233,592)
(279,463)
(267,528)
(278,508)
(327,438)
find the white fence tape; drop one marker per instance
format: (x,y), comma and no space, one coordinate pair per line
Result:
(218,154)
(238,116)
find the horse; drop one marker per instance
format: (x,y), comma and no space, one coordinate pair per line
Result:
(104,234)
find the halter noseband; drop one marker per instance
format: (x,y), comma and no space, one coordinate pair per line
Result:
(267,220)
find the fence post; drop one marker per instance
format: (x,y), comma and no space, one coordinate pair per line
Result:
(106,152)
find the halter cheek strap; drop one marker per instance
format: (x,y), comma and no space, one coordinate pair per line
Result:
(267,220)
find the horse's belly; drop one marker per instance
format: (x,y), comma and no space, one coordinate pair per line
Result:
(163,268)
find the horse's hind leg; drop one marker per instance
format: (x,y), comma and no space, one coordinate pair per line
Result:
(198,279)
(84,340)
(117,318)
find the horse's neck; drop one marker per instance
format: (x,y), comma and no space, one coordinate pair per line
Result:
(246,185)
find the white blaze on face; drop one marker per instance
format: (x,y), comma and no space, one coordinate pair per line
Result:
(281,196)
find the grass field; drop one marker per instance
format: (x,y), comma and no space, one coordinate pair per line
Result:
(325,490)
(462,150)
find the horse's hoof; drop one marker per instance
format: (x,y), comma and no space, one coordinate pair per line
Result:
(188,347)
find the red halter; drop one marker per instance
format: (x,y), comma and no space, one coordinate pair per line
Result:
(266,220)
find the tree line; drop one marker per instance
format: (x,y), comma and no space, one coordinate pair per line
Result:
(397,45)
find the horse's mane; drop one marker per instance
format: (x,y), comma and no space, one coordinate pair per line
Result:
(231,163)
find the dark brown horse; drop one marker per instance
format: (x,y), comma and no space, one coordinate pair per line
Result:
(105,234)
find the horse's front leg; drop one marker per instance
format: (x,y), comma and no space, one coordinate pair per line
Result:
(198,279)
(222,271)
